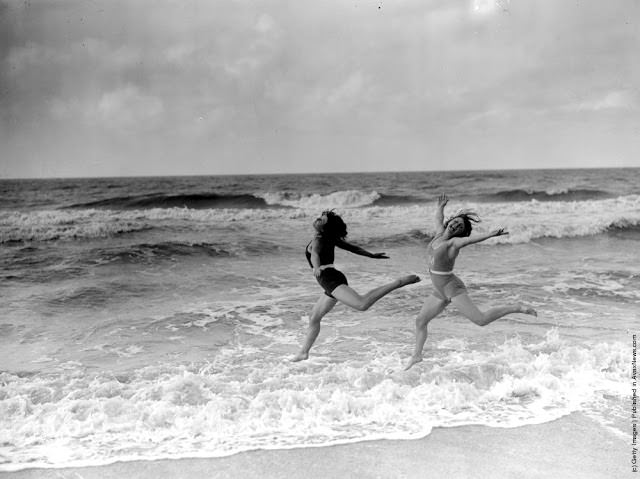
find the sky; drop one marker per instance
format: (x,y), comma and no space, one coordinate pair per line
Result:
(190,87)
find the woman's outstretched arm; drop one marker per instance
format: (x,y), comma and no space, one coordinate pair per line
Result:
(352,248)
(462,242)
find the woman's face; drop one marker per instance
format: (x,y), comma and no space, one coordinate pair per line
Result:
(456,226)
(320,222)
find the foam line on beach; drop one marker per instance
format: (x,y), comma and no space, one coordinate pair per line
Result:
(245,399)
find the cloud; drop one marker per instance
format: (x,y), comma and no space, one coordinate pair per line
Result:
(188,74)
(488,7)
(500,113)
(21,58)
(180,54)
(123,109)
(257,49)
(28,58)
(129,107)
(352,92)
(113,58)
(613,100)
(265,24)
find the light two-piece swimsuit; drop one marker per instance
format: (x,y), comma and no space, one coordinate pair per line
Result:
(446,284)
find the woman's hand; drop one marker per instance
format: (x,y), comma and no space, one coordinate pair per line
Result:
(379,255)
(317,272)
(442,200)
(499,232)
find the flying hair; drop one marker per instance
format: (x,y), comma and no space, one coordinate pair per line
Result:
(331,225)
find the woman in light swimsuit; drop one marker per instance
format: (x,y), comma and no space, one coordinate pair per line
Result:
(331,232)
(443,250)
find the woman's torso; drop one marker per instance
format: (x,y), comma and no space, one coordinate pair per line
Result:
(324,249)
(439,258)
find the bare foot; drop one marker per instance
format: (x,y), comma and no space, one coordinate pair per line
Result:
(410,279)
(300,357)
(412,361)
(527,310)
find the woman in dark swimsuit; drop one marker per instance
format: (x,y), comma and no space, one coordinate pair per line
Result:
(331,232)
(443,250)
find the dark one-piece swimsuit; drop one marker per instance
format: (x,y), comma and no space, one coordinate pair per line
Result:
(330,278)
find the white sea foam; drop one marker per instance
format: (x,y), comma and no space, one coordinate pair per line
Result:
(66,224)
(525,221)
(245,399)
(338,199)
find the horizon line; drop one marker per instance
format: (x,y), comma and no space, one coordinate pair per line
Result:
(187,175)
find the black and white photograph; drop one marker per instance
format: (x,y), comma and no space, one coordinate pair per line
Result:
(334,239)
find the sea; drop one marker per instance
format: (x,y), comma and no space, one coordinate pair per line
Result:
(147,318)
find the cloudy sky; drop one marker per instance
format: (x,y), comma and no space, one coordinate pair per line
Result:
(163,87)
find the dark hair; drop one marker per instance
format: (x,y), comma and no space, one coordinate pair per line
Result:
(333,226)
(467,218)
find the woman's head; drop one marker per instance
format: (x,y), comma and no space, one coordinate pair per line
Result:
(330,224)
(460,224)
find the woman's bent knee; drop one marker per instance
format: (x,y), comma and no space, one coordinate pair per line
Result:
(478,319)
(362,305)
(422,323)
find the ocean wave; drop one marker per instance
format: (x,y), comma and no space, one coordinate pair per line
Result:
(395,200)
(170,250)
(192,201)
(338,199)
(411,237)
(245,399)
(547,195)
(146,252)
(525,221)
(587,284)
(51,225)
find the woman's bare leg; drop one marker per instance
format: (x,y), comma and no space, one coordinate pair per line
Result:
(321,308)
(430,309)
(464,304)
(350,297)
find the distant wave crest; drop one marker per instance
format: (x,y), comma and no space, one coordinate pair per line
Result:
(193,201)
(338,199)
(547,195)
(525,221)
(281,199)
(51,225)
(317,201)
(57,224)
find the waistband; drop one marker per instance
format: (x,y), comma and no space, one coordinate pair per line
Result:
(326,266)
(441,273)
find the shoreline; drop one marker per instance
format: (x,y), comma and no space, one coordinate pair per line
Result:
(571,446)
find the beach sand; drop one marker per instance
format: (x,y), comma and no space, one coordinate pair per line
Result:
(572,446)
